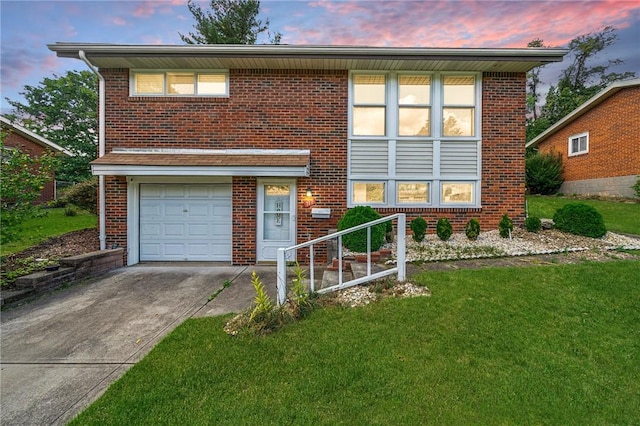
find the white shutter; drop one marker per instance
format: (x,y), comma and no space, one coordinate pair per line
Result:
(459,158)
(369,157)
(414,158)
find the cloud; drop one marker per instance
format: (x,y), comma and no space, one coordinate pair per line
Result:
(119,21)
(18,62)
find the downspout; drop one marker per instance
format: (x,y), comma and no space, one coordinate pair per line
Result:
(102,217)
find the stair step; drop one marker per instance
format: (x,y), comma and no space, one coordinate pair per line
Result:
(359,270)
(330,278)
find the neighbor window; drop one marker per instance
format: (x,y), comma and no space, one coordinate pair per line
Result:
(579,144)
(179,83)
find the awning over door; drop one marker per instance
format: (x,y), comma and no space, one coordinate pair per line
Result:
(203,162)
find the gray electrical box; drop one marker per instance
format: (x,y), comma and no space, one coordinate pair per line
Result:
(321,213)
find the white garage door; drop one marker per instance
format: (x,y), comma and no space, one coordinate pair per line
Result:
(181,222)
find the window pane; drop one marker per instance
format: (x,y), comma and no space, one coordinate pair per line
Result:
(413,193)
(457,192)
(414,89)
(180,83)
(414,122)
(212,84)
(583,143)
(368,121)
(149,84)
(459,90)
(575,145)
(369,89)
(458,121)
(366,192)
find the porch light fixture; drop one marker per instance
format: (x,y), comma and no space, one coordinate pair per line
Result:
(308,199)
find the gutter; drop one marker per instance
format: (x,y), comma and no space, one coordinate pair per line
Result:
(102,216)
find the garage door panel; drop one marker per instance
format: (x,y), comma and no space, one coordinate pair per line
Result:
(185,222)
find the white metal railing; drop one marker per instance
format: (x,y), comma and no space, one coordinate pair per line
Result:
(400,268)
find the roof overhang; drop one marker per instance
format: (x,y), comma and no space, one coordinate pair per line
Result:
(596,100)
(35,138)
(203,162)
(309,57)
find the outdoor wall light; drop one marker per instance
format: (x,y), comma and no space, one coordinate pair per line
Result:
(308,199)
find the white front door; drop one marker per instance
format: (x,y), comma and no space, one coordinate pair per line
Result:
(276,217)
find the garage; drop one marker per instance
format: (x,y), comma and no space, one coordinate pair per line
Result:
(185,222)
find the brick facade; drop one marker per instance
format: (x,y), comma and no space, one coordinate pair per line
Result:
(302,109)
(614,136)
(19,142)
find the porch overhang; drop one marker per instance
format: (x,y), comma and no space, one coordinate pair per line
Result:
(203,162)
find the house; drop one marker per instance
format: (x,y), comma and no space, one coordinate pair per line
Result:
(24,140)
(599,142)
(228,152)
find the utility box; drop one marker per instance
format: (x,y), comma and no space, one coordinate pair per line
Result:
(321,213)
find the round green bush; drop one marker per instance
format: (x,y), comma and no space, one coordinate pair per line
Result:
(580,219)
(357,241)
(419,228)
(472,229)
(444,229)
(505,227)
(532,224)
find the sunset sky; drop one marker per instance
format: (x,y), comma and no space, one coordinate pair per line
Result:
(28,26)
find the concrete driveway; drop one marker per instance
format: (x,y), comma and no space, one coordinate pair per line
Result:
(60,352)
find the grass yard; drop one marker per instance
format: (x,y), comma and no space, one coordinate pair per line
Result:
(618,217)
(494,346)
(54,223)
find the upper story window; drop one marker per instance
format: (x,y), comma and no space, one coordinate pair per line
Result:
(369,105)
(458,106)
(179,83)
(579,144)
(414,105)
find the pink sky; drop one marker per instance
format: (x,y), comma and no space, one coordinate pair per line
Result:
(27,26)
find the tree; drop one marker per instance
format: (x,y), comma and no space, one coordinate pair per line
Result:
(533,83)
(228,22)
(579,81)
(22,178)
(64,110)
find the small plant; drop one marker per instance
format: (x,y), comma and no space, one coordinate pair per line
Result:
(543,173)
(388,236)
(533,224)
(225,284)
(263,306)
(505,226)
(580,219)
(357,241)
(69,211)
(444,229)
(636,187)
(419,228)
(472,229)
(300,301)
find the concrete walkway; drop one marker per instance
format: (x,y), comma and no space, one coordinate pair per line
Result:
(60,352)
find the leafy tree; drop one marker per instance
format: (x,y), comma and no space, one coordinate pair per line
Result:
(64,110)
(22,178)
(533,83)
(228,22)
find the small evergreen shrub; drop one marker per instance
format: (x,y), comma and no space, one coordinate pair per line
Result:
(472,229)
(532,224)
(505,226)
(69,211)
(389,231)
(419,228)
(84,195)
(636,187)
(543,173)
(580,219)
(444,229)
(357,241)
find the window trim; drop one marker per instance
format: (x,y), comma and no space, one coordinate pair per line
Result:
(570,152)
(165,94)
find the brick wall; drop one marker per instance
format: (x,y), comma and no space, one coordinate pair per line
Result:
(614,139)
(17,141)
(304,109)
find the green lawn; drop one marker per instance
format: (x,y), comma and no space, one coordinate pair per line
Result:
(494,346)
(618,217)
(54,223)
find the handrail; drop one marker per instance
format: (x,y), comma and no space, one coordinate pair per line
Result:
(400,268)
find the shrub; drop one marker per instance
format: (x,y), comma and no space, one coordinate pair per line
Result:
(84,195)
(389,231)
(636,187)
(532,224)
(444,229)
(70,212)
(543,173)
(472,229)
(580,219)
(357,241)
(419,228)
(505,226)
